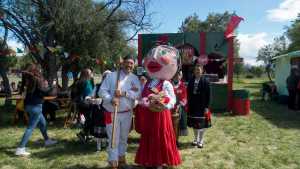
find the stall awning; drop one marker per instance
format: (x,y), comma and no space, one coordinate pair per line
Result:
(290,54)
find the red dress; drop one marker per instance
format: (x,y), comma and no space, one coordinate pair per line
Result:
(158,143)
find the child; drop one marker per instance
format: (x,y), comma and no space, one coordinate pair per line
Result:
(198,101)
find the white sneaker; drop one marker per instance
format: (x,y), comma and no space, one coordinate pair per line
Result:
(195,143)
(22,152)
(50,142)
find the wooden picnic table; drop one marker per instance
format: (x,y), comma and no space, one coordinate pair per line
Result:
(18,97)
(64,103)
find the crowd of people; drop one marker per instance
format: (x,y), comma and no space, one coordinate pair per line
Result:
(162,105)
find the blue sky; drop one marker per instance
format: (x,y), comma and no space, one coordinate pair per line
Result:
(264,19)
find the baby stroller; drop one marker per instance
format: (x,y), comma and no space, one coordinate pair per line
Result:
(93,125)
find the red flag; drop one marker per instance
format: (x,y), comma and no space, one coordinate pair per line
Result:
(233,23)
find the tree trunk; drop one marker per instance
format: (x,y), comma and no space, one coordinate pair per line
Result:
(3,73)
(268,70)
(50,67)
(269,76)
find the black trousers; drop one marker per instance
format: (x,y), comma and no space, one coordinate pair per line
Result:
(293,100)
(49,107)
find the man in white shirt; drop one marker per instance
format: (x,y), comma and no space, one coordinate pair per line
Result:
(124,97)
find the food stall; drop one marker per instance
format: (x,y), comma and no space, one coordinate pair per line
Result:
(215,51)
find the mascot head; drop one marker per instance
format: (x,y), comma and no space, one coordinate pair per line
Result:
(161,62)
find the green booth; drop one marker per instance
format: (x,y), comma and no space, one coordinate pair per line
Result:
(212,47)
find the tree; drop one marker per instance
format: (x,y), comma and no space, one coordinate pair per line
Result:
(293,34)
(215,22)
(238,69)
(268,52)
(7,59)
(89,29)
(256,70)
(280,45)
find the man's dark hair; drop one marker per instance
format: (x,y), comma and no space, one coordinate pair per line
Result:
(128,57)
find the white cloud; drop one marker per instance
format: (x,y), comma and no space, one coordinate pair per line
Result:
(250,44)
(14,45)
(287,11)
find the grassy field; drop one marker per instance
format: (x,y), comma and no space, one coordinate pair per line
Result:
(268,138)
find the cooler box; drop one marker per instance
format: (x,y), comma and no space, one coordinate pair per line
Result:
(241,102)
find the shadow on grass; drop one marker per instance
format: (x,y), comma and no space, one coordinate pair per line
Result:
(252,86)
(133,140)
(277,114)
(6,115)
(223,113)
(62,148)
(185,145)
(79,166)
(66,147)
(257,95)
(84,167)
(8,150)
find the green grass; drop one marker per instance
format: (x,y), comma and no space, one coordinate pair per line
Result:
(268,138)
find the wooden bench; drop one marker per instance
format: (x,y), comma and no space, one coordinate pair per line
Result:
(72,114)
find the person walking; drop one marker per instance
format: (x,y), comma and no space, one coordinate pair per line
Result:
(36,88)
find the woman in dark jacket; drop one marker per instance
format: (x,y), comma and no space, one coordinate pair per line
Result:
(198,102)
(36,89)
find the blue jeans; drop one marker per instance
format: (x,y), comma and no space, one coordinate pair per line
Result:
(36,118)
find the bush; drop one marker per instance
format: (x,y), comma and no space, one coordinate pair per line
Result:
(249,76)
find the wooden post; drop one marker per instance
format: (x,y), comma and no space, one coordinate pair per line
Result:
(115,113)
(230,57)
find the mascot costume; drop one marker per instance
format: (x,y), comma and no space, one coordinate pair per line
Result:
(157,146)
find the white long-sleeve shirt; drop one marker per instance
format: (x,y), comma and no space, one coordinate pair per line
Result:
(127,82)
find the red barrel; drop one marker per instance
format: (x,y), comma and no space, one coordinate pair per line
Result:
(241,102)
